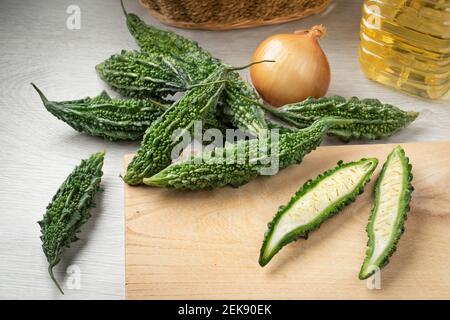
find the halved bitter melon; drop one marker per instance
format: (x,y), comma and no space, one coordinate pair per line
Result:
(386,223)
(315,202)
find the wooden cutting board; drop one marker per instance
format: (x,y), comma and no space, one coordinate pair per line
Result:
(205,245)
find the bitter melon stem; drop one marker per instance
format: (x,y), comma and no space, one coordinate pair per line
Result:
(123,8)
(227,69)
(247,65)
(52,276)
(279,114)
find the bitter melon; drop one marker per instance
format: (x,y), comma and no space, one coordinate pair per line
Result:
(69,209)
(158,142)
(144,75)
(316,201)
(239,163)
(391,205)
(198,63)
(244,114)
(112,119)
(382,120)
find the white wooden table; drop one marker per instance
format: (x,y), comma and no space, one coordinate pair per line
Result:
(38,151)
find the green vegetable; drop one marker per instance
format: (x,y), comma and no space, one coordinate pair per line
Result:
(112,119)
(386,223)
(155,151)
(382,120)
(198,64)
(243,113)
(115,119)
(282,129)
(241,162)
(143,75)
(69,209)
(316,201)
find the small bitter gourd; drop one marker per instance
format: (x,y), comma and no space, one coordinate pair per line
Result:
(112,119)
(391,205)
(382,120)
(239,163)
(316,201)
(198,63)
(144,75)
(156,147)
(69,209)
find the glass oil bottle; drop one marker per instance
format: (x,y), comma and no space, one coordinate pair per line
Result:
(405,44)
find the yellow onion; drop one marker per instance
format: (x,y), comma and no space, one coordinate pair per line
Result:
(300,70)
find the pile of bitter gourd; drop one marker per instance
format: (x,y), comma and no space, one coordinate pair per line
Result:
(212,93)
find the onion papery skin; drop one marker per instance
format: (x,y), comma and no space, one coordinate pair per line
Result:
(300,70)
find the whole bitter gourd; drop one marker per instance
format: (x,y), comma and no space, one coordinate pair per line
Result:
(391,205)
(316,201)
(69,209)
(137,74)
(158,142)
(382,120)
(112,119)
(198,63)
(239,163)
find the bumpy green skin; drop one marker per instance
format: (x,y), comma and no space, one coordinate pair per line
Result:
(332,209)
(144,75)
(69,209)
(244,114)
(115,119)
(198,64)
(212,173)
(112,119)
(156,147)
(212,170)
(404,208)
(153,40)
(381,120)
(282,129)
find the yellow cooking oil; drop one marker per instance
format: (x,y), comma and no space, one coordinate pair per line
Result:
(405,44)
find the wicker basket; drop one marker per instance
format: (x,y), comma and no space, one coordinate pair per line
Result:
(230,14)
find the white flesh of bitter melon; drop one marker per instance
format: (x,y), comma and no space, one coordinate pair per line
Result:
(316,201)
(386,224)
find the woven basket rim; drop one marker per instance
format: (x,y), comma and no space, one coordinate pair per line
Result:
(235,25)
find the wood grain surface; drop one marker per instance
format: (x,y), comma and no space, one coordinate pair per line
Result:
(38,151)
(205,245)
